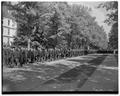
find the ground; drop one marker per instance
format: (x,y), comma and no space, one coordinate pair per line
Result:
(93,72)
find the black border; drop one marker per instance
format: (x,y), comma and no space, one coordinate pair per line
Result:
(44,92)
(61,92)
(1,46)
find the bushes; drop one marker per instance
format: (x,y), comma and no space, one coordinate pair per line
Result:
(18,57)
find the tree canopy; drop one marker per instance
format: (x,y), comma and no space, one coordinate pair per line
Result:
(112,19)
(56,25)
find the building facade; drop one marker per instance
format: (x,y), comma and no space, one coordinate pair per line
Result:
(9,26)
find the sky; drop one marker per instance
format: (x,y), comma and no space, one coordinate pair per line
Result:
(99,13)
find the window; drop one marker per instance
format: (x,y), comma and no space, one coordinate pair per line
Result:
(11,40)
(5,40)
(5,31)
(5,21)
(8,31)
(12,32)
(13,24)
(8,22)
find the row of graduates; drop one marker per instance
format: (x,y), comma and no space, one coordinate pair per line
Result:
(21,56)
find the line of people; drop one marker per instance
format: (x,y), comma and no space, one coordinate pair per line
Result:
(19,56)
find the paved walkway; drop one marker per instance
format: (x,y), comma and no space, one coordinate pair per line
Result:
(84,73)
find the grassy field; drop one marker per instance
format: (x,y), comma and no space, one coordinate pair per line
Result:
(71,74)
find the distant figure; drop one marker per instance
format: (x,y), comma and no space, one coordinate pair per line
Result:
(115,51)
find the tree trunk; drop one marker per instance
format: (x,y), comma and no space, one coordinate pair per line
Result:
(28,44)
(88,47)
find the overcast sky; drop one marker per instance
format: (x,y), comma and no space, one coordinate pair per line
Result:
(99,13)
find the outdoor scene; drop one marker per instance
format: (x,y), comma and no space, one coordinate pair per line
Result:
(59,46)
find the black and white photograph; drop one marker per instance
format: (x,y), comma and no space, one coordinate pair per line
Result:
(59,47)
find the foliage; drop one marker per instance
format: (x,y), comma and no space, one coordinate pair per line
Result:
(113,36)
(56,25)
(112,8)
(112,19)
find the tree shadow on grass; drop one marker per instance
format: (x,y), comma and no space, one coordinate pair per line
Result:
(116,57)
(34,76)
(90,69)
(80,73)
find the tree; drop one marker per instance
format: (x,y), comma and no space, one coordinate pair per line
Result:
(27,16)
(56,25)
(86,29)
(112,19)
(113,36)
